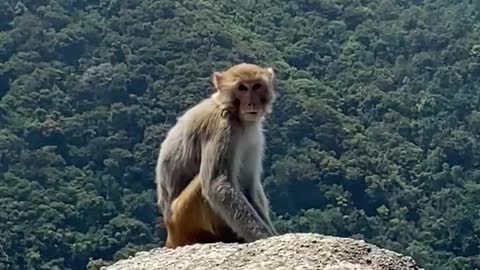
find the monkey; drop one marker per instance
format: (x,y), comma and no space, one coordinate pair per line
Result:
(215,149)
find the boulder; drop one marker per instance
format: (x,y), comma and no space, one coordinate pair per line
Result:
(288,251)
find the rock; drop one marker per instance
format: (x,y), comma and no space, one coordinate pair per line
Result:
(289,251)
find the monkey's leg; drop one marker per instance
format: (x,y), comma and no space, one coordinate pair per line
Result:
(178,235)
(193,221)
(186,225)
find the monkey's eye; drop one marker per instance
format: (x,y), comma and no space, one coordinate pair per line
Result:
(256,86)
(242,87)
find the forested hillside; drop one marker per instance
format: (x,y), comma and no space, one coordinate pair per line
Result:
(375,134)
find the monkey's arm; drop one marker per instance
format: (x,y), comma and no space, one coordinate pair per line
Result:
(255,192)
(261,204)
(222,192)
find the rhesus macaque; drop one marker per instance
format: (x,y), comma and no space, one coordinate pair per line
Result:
(210,163)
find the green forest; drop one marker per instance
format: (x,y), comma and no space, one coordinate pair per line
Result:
(375,134)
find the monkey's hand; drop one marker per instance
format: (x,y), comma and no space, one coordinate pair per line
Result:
(232,205)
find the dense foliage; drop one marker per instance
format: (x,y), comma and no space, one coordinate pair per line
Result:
(375,135)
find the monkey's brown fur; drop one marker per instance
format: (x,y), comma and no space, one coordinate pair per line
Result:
(193,220)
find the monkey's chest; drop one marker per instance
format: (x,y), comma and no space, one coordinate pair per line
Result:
(247,166)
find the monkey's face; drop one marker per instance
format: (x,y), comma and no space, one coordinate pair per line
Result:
(247,88)
(253,98)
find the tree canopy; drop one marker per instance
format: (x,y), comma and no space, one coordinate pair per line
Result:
(375,134)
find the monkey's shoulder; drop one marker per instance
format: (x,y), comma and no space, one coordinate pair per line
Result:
(205,117)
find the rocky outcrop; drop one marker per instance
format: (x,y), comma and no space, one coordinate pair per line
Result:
(289,251)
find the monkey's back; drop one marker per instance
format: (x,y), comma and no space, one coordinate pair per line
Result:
(181,149)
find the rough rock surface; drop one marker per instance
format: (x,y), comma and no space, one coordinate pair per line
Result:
(288,251)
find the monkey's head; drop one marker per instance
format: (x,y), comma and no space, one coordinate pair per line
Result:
(245,89)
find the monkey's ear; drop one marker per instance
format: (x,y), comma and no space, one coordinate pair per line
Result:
(271,74)
(217,80)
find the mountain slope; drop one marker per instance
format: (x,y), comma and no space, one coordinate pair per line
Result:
(375,134)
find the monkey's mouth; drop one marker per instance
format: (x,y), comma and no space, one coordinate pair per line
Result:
(251,112)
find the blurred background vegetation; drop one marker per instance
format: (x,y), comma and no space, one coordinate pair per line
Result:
(375,134)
